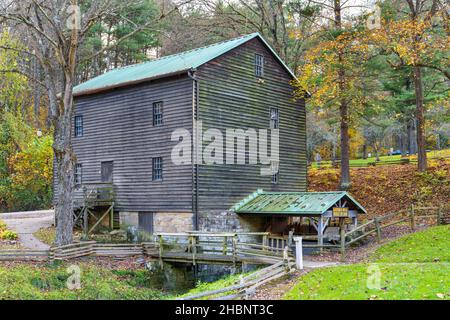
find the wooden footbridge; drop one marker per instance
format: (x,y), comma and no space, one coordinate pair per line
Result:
(220,248)
(190,248)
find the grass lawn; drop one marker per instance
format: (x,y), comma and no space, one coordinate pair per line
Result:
(49,282)
(219,284)
(356,162)
(431,245)
(46,235)
(412,267)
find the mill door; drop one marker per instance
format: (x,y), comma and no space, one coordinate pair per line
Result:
(107,171)
(106,177)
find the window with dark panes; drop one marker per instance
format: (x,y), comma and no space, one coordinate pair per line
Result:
(259,65)
(274,118)
(275,167)
(157,113)
(78,126)
(275,178)
(157,168)
(78,174)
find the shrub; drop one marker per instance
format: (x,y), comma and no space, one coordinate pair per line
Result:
(8,235)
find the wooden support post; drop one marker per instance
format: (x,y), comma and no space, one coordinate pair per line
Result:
(320,233)
(85,223)
(234,250)
(225,249)
(342,236)
(194,249)
(378,228)
(111,218)
(299,252)
(161,243)
(412,219)
(264,242)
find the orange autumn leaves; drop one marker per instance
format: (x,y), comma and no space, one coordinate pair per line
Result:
(410,42)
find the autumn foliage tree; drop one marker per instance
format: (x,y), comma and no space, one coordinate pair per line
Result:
(334,75)
(418,40)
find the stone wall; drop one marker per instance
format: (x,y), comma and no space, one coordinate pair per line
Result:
(172,222)
(228,221)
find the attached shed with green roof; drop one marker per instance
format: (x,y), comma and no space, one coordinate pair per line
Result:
(319,207)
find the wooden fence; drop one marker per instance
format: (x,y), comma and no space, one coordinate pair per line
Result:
(438,215)
(246,286)
(398,161)
(190,247)
(81,249)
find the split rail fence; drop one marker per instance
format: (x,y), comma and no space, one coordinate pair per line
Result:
(438,215)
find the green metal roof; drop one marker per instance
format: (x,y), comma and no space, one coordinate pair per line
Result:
(293,203)
(166,66)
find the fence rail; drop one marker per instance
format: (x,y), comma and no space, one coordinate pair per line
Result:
(189,247)
(399,161)
(440,214)
(246,286)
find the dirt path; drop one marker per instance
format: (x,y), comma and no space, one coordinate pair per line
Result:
(26,223)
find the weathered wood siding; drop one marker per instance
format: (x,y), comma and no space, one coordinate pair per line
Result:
(118,127)
(231,97)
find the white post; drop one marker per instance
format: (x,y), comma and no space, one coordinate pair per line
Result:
(299,252)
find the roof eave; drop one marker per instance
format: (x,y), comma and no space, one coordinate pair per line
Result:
(128,83)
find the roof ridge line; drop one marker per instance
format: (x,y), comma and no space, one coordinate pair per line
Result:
(247,199)
(184,52)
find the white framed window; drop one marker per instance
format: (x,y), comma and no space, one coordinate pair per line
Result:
(259,65)
(157,169)
(157,113)
(78,174)
(274,118)
(79,126)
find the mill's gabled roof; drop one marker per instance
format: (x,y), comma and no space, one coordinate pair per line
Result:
(294,203)
(166,66)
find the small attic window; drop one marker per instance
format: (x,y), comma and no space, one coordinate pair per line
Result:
(259,65)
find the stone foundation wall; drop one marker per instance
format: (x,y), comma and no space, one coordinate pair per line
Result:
(228,221)
(173,221)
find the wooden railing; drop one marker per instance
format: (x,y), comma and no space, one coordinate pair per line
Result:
(246,286)
(398,161)
(200,247)
(438,214)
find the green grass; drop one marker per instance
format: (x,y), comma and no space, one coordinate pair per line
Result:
(415,266)
(430,245)
(49,282)
(46,235)
(219,284)
(397,281)
(365,162)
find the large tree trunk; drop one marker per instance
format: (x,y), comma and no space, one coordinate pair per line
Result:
(421,152)
(345,148)
(343,108)
(65,162)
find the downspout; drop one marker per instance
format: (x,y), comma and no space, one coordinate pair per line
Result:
(195,102)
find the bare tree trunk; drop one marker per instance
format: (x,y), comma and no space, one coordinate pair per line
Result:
(343,109)
(345,147)
(421,152)
(64,165)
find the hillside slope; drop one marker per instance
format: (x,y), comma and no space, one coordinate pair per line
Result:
(389,188)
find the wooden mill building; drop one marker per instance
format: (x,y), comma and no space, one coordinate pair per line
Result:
(123,125)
